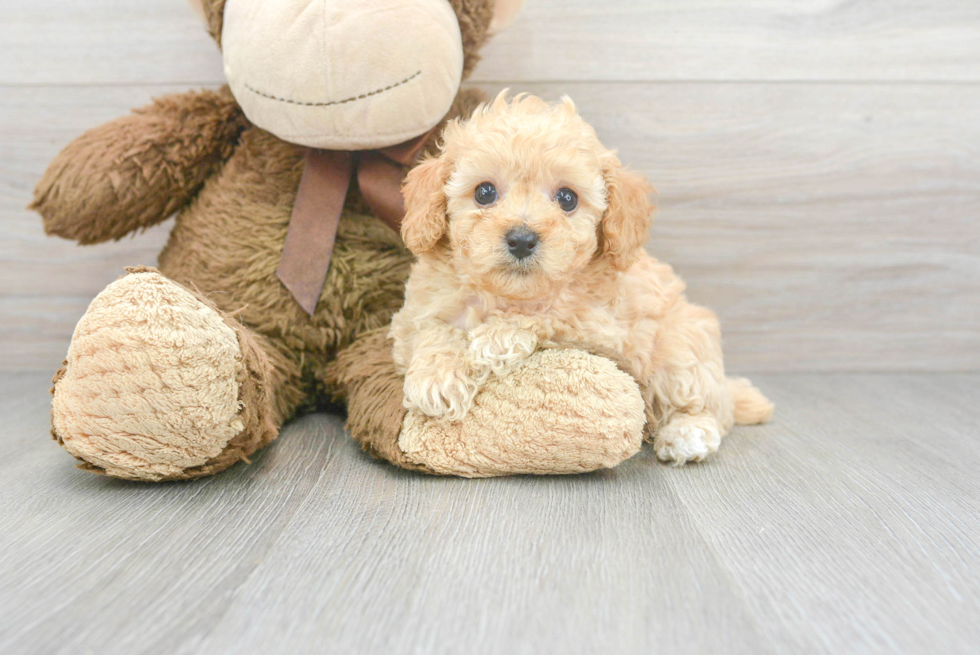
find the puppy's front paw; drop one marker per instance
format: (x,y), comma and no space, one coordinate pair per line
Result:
(499,348)
(444,393)
(687,439)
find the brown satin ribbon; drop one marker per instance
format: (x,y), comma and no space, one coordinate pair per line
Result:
(320,200)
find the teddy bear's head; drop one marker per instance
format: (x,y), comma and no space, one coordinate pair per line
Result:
(349,74)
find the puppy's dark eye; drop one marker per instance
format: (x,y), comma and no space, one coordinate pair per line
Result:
(486,194)
(566,199)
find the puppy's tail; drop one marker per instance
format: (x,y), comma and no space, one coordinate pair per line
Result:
(751,406)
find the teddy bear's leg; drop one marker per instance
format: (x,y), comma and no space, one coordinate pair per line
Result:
(364,376)
(160,385)
(562,411)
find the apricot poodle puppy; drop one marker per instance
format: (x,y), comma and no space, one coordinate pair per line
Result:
(529,234)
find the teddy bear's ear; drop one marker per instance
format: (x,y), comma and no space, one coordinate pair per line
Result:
(504,13)
(197,7)
(425,205)
(212,13)
(626,224)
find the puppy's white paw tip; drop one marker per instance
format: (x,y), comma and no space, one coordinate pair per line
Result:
(686,441)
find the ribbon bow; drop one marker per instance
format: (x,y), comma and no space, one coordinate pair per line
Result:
(320,200)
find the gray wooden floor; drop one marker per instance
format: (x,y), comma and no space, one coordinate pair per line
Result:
(850,524)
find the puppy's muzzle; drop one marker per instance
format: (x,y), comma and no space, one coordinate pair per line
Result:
(521,242)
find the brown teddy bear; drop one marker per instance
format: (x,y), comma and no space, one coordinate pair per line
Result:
(284,267)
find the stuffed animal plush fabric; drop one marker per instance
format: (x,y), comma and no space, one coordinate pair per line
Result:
(180,371)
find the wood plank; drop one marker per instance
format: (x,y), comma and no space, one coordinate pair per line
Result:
(47,283)
(660,40)
(90,563)
(832,227)
(877,498)
(500,566)
(849,524)
(161,41)
(106,41)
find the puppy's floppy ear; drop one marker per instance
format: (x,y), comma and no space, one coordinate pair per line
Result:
(626,223)
(425,205)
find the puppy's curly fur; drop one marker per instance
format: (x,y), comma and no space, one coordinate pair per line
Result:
(477,306)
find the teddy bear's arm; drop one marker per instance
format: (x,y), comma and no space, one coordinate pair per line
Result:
(137,170)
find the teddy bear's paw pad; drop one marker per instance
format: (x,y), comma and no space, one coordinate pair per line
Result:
(687,439)
(563,411)
(150,386)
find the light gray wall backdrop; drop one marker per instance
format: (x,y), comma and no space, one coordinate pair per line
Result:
(818,161)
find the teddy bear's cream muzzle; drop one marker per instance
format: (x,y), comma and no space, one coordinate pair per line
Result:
(343,74)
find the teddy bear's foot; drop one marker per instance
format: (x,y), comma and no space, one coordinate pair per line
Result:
(562,411)
(159,385)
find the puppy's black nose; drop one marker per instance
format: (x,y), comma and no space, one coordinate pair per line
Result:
(521,242)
